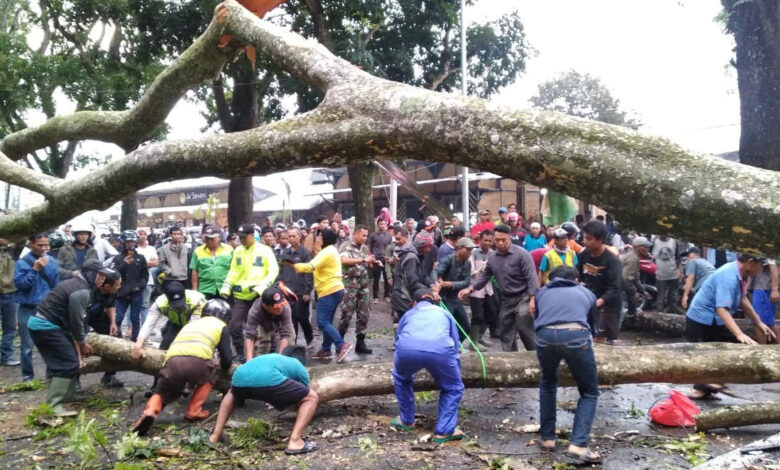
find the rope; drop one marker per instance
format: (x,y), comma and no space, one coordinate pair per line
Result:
(474,346)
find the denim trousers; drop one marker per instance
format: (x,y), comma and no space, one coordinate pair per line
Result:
(135,304)
(576,348)
(26,342)
(8,310)
(326,310)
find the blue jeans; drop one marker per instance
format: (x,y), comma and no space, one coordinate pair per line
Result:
(147,296)
(576,348)
(8,313)
(326,309)
(445,369)
(135,303)
(26,342)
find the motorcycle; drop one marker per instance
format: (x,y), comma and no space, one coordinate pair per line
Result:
(647,270)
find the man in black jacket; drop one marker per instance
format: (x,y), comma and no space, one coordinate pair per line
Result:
(301,284)
(135,274)
(408,274)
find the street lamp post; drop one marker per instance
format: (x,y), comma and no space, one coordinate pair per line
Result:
(464,172)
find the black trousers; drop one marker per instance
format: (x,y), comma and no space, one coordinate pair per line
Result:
(237,322)
(300,316)
(377,272)
(58,352)
(696,332)
(169,333)
(484,312)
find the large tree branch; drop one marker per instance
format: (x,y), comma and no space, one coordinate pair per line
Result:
(15,174)
(651,184)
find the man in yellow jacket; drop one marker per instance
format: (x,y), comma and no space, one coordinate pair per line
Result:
(254,269)
(190,361)
(560,255)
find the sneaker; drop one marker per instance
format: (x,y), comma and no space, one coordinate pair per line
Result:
(322,355)
(28,378)
(376,300)
(12,363)
(343,352)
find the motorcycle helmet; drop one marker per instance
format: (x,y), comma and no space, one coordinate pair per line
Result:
(56,240)
(217,308)
(129,235)
(570,228)
(79,227)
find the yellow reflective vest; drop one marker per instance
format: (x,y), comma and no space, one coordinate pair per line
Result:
(197,339)
(195,301)
(554,260)
(252,271)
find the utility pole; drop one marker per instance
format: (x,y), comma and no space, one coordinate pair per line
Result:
(464,69)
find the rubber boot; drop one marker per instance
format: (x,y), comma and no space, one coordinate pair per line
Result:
(361,347)
(474,336)
(195,409)
(60,391)
(109,380)
(482,338)
(145,422)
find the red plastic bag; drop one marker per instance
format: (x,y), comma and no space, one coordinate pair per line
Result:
(674,410)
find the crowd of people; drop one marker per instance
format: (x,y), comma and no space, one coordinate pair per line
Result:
(248,295)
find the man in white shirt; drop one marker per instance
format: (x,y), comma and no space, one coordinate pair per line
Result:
(150,254)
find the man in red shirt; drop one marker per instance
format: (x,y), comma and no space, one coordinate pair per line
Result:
(484,223)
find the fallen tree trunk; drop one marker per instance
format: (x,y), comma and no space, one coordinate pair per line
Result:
(735,460)
(667,363)
(673,324)
(735,416)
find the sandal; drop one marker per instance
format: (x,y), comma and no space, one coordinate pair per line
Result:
(588,456)
(398,424)
(307,447)
(545,448)
(457,435)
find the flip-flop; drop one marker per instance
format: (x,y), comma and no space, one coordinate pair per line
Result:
(307,447)
(452,437)
(587,456)
(399,425)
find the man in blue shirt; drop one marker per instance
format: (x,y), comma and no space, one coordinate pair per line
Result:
(428,339)
(697,270)
(709,318)
(35,274)
(280,380)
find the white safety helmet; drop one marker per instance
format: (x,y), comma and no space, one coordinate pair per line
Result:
(82,227)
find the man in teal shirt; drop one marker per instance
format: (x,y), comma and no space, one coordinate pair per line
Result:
(280,380)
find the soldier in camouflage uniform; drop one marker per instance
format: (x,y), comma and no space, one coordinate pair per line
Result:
(356,260)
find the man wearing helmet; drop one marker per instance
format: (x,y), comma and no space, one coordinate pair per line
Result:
(571,230)
(189,361)
(72,258)
(56,242)
(132,266)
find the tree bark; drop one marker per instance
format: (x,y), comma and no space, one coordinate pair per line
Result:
(244,108)
(756,28)
(361,177)
(673,324)
(645,181)
(129,216)
(735,460)
(668,363)
(735,416)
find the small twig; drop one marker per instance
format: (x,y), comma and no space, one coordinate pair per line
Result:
(19,438)
(210,418)
(229,456)
(424,449)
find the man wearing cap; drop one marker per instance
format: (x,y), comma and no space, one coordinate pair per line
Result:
(431,256)
(428,338)
(765,296)
(535,239)
(454,274)
(632,285)
(270,321)
(59,332)
(210,263)
(710,316)
(254,269)
(560,255)
(518,233)
(448,248)
(517,280)
(356,261)
(484,223)
(502,216)
(697,270)
(408,273)
(377,245)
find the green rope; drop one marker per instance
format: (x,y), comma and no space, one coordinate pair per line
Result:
(474,346)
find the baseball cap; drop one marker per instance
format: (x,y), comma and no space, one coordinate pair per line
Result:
(246,229)
(273,297)
(692,250)
(211,232)
(641,241)
(501,210)
(456,232)
(560,233)
(513,216)
(96,266)
(484,212)
(142,232)
(423,239)
(465,242)
(174,291)
(427,224)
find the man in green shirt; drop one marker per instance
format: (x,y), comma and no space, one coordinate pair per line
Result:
(210,264)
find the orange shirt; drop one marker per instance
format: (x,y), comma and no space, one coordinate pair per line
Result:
(572,244)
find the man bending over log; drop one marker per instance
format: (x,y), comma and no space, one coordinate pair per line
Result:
(280,380)
(709,319)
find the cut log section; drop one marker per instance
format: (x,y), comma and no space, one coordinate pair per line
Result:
(673,324)
(682,363)
(736,416)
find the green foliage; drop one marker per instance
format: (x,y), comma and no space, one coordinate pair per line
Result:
(499,463)
(463,412)
(99,403)
(635,412)
(133,447)
(30,385)
(44,410)
(693,449)
(256,430)
(131,466)
(82,439)
(583,96)
(367,445)
(425,396)
(112,417)
(563,466)
(197,440)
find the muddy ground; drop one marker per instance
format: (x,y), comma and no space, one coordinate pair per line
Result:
(356,433)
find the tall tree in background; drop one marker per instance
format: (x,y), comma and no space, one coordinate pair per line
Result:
(755,25)
(582,95)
